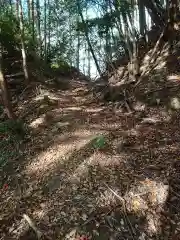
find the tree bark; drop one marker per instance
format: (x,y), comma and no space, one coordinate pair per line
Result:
(156,16)
(45,31)
(172,7)
(29,10)
(38,25)
(4,92)
(23,51)
(49,30)
(33,22)
(142,17)
(11,6)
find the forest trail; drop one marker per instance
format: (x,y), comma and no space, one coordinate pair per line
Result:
(69,186)
(80,159)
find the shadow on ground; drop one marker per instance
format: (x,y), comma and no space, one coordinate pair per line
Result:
(128,190)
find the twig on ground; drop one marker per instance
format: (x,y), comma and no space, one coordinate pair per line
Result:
(131,229)
(32,225)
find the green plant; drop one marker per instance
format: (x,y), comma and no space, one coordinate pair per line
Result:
(99,142)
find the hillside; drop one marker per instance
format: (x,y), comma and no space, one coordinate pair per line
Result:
(82,159)
(91,167)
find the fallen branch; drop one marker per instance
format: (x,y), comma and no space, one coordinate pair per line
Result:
(32,225)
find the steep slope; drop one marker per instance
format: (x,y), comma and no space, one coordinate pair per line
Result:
(87,169)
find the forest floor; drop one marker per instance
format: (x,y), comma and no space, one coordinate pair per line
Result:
(64,186)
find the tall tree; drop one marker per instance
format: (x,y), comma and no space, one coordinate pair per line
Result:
(38,26)
(156,15)
(29,10)
(4,90)
(49,30)
(33,20)
(45,30)
(142,18)
(23,50)
(87,38)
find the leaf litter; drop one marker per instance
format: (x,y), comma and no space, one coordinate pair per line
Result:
(119,182)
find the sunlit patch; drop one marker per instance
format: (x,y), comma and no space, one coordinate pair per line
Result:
(39,213)
(139,106)
(173,78)
(45,93)
(71,235)
(38,122)
(106,198)
(73,109)
(141,198)
(152,120)
(175,103)
(153,223)
(161,65)
(94,110)
(104,160)
(65,146)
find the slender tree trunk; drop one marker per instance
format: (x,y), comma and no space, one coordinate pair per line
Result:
(33,21)
(172,7)
(127,38)
(49,30)
(17,9)
(29,10)
(4,91)
(25,68)
(142,17)
(38,25)
(70,38)
(45,31)
(122,35)
(88,40)
(11,6)
(156,16)
(89,63)
(135,49)
(77,50)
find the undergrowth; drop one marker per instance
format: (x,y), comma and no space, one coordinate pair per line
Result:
(12,135)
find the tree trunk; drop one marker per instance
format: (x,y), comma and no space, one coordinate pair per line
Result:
(142,17)
(29,10)
(33,25)
(11,6)
(135,60)
(156,16)
(25,68)
(77,50)
(127,38)
(88,40)
(45,31)
(38,25)
(49,30)
(70,39)
(172,7)
(17,9)
(4,92)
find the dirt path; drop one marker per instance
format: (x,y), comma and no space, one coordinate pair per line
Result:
(127,190)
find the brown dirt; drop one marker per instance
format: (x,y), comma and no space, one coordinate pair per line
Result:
(127,190)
